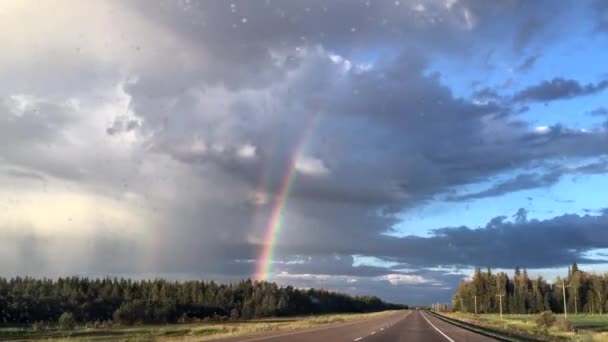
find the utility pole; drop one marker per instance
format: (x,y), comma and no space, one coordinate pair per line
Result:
(475,304)
(461,305)
(500,301)
(599,296)
(565,303)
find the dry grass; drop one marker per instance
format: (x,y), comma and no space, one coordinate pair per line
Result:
(185,332)
(589,327)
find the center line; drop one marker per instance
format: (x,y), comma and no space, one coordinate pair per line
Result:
(358,339)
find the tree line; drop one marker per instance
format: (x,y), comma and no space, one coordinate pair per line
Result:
(585,293)
(125,301)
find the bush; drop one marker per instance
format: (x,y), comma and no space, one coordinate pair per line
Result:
(563,324)
(66,321)
(39,326)
(545,319)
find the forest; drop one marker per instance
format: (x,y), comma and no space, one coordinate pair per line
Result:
(125,301)
(584,292)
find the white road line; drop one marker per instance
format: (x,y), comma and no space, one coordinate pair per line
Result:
(373,332)
(434,327)
(381,328)
(358,339)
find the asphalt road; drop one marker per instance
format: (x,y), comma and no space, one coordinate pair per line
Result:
(401,326)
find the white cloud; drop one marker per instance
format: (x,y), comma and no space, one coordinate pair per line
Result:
(246,151)
(405,279)
(311,166)
(339,60)
(542,129)
(419,7)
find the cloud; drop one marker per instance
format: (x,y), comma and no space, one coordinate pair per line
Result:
(520,182)
(528,181)
(600,111)
(405,279)
(527,64)
(18,173)
(558,89)
(166,130)
(526,32)
(600,14)
(311,166)
(122,124)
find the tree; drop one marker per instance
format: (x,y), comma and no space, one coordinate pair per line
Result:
(66,321)
(28,300)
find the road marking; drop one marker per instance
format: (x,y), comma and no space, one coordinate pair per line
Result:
(434,327)
(358,339)
(381,328)
(373,332)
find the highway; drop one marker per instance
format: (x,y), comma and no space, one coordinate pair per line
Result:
(402,326)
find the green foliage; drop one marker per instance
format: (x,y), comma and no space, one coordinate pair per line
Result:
(124,301)
(130,312)
(66,321)
(545,320)
(39,326)
(585,293)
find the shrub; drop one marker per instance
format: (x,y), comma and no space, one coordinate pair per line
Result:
(545,319)
(563,324)
(66,321)
(39,326)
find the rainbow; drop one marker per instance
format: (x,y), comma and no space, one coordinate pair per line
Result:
(275,221)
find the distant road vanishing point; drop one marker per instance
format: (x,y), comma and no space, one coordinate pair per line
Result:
(399,327)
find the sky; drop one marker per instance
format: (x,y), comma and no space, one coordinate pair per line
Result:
(369,147)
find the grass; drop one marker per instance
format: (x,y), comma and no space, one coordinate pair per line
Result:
(588,327)
(181,332)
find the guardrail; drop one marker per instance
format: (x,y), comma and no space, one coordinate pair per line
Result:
(500,335)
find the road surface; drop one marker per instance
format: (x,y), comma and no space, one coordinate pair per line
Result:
(399,327)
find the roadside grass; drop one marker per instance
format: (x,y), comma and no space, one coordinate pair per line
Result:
(588,327)
(182,332)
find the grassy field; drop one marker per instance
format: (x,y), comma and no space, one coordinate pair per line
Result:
(588,327)
(180,332)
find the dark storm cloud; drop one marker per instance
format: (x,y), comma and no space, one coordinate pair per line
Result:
(528,181)
(537,244)
(592,168)
(121,125)
(524,181)
(559,89)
